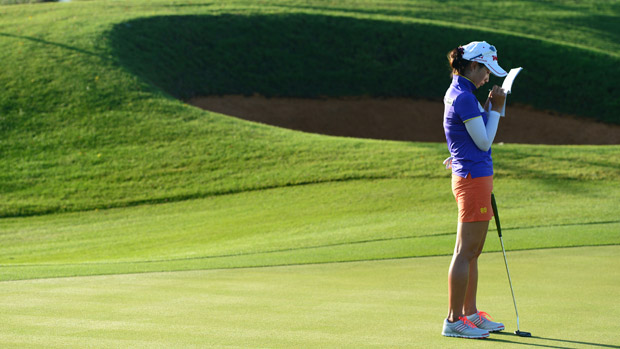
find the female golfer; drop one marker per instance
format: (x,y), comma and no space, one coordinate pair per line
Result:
(470,131)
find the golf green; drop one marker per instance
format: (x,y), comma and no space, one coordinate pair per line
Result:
(566,298)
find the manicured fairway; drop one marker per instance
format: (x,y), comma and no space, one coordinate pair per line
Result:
(566,298)
(330,222)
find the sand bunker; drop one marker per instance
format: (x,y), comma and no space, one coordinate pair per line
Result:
(403,119)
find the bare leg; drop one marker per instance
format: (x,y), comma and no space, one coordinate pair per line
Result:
(469,306)
(463,273)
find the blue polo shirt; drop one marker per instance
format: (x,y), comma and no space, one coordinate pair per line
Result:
(460,106)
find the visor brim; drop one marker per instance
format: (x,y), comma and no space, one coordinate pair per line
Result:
(496,69)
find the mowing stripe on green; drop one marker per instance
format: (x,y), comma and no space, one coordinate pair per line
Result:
(566,298)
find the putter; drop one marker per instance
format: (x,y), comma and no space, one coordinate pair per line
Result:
(518,332)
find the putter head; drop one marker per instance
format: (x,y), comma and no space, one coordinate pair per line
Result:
(523,334)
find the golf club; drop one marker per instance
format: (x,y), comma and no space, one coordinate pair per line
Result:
(518,332)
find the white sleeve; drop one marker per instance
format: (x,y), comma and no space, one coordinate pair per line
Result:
(483,135)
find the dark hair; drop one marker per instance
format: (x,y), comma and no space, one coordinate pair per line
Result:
(457,63)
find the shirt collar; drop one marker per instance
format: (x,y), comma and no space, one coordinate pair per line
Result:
(464,82)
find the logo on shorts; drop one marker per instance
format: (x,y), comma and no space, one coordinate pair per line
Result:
(483,210)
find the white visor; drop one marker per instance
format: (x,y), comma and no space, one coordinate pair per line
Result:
(483,52)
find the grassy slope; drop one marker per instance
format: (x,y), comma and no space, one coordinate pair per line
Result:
(585,24)
(80,132)
(357,220)
(297,54)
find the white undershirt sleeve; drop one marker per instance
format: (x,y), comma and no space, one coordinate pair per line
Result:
(483,135)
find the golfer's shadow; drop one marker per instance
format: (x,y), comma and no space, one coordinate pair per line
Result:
(563,343)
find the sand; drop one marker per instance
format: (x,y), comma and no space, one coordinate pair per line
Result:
(403,119)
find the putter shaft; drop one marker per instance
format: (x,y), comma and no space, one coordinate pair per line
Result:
(510,281)
(499,232)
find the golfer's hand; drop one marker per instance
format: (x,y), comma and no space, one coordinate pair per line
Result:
(497,96)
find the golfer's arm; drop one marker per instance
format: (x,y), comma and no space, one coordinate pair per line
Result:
(483,135)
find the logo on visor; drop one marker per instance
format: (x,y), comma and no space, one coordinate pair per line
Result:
(494,58)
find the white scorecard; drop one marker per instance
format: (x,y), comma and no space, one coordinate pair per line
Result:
(507,85)
(510,78)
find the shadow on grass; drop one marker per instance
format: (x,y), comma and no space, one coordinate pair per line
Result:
(57,44)
(324,246)
(520,160)
(560,342)
(302,55)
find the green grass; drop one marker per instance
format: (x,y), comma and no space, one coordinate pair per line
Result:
(103,171)
(396,303)
(331,222)
(82,126)
(13,2)
(297,54)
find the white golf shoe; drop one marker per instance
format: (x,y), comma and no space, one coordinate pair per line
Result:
(463,328)
(481,320)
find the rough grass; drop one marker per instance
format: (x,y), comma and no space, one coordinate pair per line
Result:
(82,127)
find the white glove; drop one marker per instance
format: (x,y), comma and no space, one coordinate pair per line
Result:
(448,163)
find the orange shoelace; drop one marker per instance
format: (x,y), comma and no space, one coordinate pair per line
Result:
(482,314)
(467,322)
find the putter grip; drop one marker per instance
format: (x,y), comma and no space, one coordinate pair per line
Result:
(496,215)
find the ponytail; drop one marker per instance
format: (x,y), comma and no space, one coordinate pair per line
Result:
(457,63)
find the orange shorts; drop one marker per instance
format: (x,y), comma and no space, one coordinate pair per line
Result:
(473,196)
